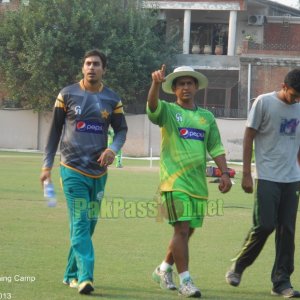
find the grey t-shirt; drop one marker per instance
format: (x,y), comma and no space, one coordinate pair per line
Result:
(278,138)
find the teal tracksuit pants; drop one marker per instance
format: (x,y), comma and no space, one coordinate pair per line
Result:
(83,195)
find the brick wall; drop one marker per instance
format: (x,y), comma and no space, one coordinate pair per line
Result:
(279,39)
(267,74)
(280,34)
(12,5)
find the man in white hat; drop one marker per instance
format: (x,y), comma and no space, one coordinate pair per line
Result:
(188,133)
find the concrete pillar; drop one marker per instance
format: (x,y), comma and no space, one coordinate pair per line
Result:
(227,102)
(186,31)
(232,33)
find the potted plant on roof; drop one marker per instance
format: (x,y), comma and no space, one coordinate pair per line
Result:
(248,39)
(219,45)
(195,38)
(207,47)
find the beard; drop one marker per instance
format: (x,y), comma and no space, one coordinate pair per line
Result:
(93,81)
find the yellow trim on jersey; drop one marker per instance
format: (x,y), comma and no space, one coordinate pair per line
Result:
(185,192)
(81,172)
(82,86)
(59,102)
(46,169)
(119,108)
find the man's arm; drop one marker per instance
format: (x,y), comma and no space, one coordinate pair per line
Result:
(225,182)
(58,119)
(119,126)
(157,78)
(247,182)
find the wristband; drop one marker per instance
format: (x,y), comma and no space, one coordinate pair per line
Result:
(226,173)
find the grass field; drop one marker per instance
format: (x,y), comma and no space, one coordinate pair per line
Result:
(34,239)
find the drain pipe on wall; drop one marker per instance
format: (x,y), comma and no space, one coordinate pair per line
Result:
(249,89)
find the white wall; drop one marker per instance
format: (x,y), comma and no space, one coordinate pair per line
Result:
(18,129)
(24,129)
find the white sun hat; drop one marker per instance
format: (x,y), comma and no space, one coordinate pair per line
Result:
(182,72)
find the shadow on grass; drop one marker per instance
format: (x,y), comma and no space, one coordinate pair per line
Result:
(237,294)
(156,293)
(150,293)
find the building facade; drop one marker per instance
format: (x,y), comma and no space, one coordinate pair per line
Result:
(243,47)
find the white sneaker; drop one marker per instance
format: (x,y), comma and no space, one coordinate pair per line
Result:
(164,278)
(188,289)
(72,284)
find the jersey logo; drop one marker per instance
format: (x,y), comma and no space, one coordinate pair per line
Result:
(191,134)
(89,127)
(104,114)
(178,117)
(77,110)
(202,121)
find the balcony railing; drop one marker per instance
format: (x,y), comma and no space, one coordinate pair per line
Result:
(250,47)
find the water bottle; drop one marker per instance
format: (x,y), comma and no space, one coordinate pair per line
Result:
(49,193)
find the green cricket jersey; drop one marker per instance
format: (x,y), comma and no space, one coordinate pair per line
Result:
(187,135)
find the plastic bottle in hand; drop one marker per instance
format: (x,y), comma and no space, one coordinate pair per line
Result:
(49,193)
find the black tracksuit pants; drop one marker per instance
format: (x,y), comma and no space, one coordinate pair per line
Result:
(275,208)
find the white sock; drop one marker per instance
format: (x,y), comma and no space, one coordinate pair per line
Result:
(183,276)
(165,266)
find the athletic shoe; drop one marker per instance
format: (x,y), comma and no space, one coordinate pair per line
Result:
(72,284)
(188,289)
(286,293)
(233,278)
(164,278)
(85,287)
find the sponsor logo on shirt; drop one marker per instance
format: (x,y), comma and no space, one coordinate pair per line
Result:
(89,127)
(288,127)
(191,134)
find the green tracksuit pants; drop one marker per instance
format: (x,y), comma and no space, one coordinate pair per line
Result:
(83,195)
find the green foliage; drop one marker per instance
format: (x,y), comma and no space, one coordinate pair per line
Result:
(41,46)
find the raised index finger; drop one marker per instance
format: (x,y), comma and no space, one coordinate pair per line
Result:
(163,70)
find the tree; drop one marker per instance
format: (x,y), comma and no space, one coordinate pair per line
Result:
(41,46)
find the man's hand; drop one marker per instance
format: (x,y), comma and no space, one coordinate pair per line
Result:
(45,175)
(157,78)
(106,158)
(247,183)
(225,183)
(159,75)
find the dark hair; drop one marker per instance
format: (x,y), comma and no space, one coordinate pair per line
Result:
(96,52)
(175,80)
(292,79)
